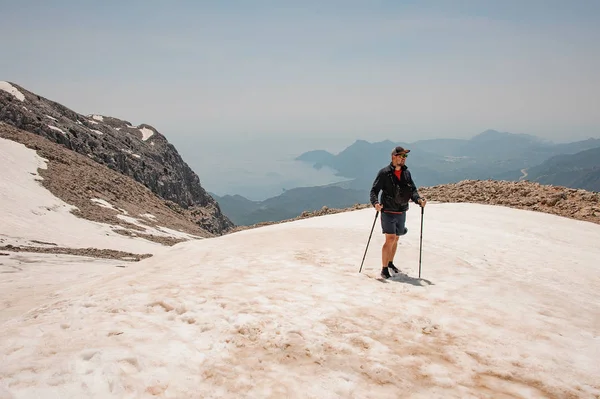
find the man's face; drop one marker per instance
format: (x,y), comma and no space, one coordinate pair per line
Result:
(400,159)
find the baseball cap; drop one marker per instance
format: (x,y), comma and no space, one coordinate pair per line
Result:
(400,150)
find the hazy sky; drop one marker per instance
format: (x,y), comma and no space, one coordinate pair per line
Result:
(341,69)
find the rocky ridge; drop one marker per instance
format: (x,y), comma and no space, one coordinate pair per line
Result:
(139,152)
(557,200)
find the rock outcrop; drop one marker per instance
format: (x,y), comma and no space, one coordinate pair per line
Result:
(139,152)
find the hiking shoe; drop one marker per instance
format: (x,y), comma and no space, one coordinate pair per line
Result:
(394,268)
(385,274)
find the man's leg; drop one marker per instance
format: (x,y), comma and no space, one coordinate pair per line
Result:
(388,228)
(394,247)
(400,222)
(389,248)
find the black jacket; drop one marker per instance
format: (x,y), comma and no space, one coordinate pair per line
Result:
(395,193)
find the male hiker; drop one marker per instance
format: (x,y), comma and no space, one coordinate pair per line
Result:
(398,188)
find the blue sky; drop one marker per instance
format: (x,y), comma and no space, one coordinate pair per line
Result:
(399,70)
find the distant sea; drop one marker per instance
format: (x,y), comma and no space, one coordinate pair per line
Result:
(256,168)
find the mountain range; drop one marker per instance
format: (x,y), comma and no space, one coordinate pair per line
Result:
(490,155)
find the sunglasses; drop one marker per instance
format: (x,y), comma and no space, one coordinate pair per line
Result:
(401,155)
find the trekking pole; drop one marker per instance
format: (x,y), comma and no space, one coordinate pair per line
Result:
(421,243)
(363,261)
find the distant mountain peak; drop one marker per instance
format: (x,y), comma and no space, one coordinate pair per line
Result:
(492,134)
(492,131)
(363,142)
(360,143)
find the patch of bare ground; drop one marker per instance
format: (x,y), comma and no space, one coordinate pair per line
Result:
(77,180)
(89,252)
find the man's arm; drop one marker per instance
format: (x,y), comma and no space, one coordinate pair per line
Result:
(377,186)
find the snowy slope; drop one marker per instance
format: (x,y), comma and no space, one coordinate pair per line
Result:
(31,212)
(31,216)
(508,307)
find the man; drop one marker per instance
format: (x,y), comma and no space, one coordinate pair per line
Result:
(398,188)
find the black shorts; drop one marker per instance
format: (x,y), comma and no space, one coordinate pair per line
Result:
(393,223)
